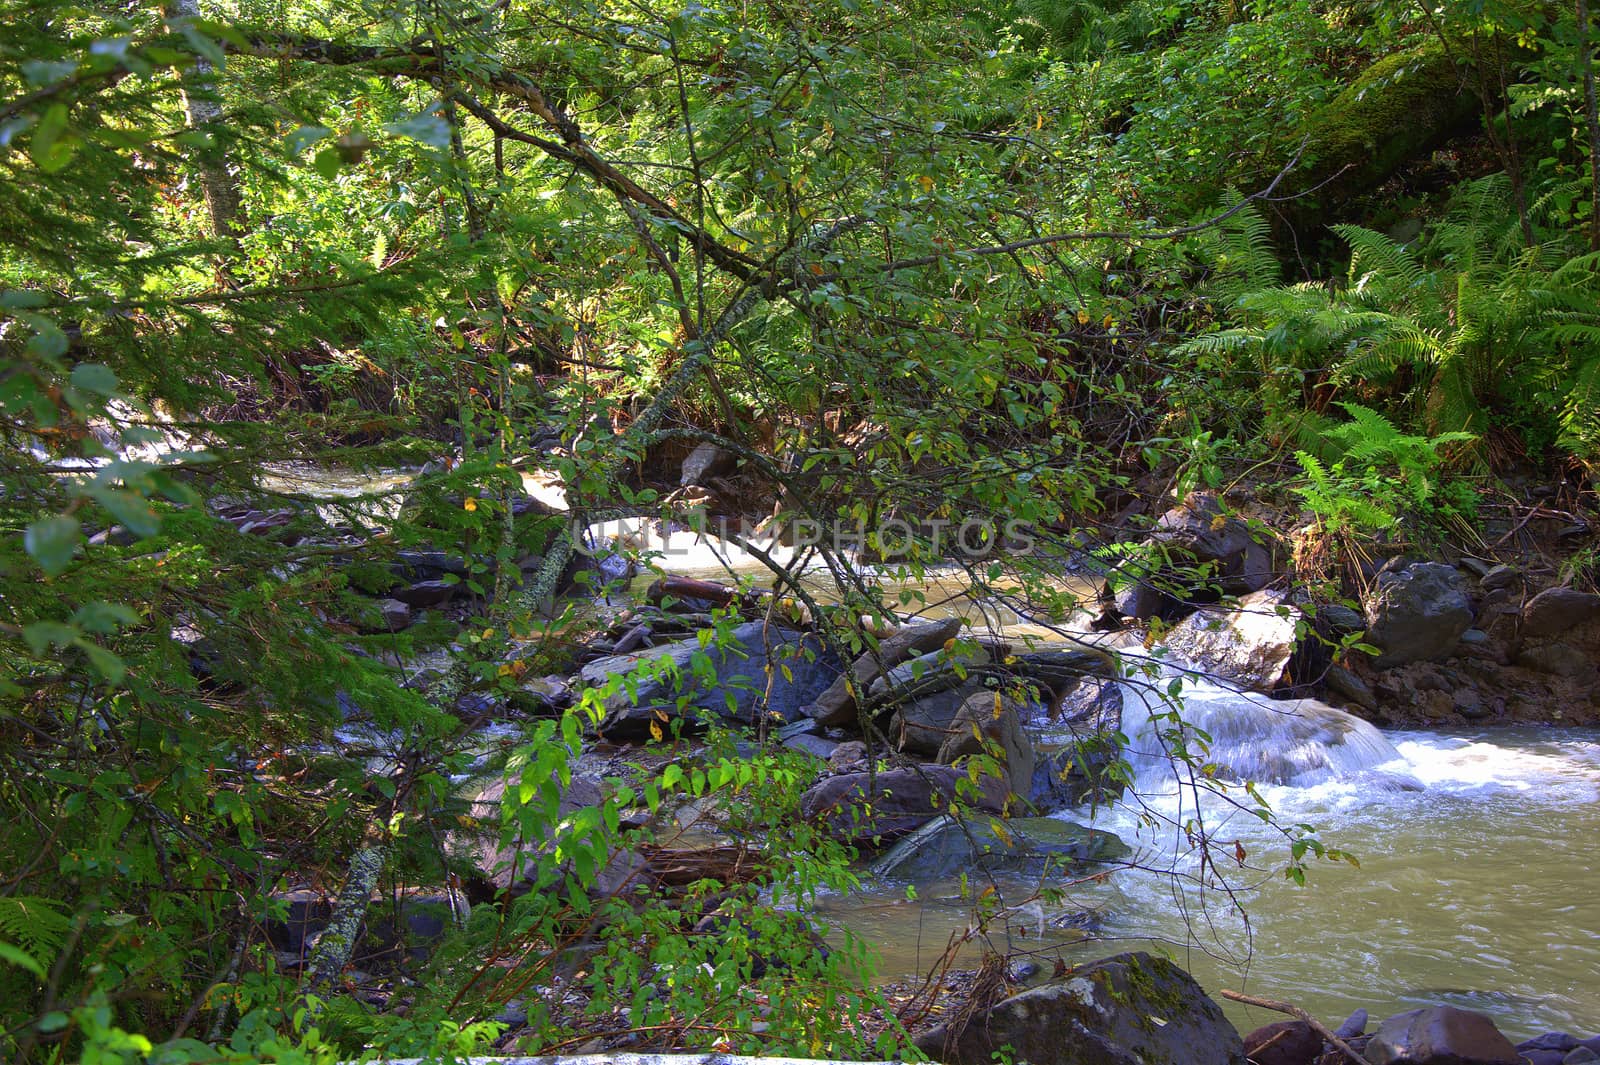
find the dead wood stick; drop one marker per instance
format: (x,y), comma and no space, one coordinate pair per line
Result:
(1295,1011)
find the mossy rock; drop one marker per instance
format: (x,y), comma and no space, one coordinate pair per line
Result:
(1131,1009)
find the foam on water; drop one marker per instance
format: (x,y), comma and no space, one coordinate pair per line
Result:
(1297,742)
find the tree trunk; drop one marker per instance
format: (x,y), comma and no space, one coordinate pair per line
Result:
(204,107)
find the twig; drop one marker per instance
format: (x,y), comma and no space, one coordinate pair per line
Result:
(1295,1011)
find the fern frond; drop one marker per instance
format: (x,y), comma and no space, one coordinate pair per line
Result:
(1379,259)
(35,924)
(1580,412)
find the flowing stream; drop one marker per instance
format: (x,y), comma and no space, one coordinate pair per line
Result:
(1478,884)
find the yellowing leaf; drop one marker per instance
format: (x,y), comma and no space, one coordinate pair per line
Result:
(926,182)
(1083,317)
(999,705)
(1038,120)
(469,504)
(655,731)
(1109,322)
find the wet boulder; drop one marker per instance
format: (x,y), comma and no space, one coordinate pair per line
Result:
(1440,1035)
(945,847)
(921,726)
(1063,668)
(1557,610)
(1198,553)
(762,668)
(1417,613)
(988,722)
(835,705)
(477,843)
(859,807)
(1248,644)
(1131,1009)
(1074,774)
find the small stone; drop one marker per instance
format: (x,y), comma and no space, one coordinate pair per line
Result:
(1581,1056)
(1283,1043)
(848,755)
(1501,578)
(1341,620)
(1560,1041)
(396,615)
(811,744)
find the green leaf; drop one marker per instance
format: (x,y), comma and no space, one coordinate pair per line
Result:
(17,299)
(327,163)
(303,138)
(111,668)
(427,128)
(53,144)
(51,542)
(48,342)
(42,635)
(104,618)
(204,46)
(42,72)
(12,955)
(130,508)
(93,377)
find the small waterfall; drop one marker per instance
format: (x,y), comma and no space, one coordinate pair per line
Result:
(1295,742)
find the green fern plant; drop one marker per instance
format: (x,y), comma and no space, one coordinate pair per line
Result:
(34,926)
(1339,502)
(1382,475)
(1462,332)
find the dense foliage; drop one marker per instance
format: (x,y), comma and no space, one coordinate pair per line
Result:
(900,258)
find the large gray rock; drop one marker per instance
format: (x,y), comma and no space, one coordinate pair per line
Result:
(1131,1009)
(928,673)
(921,726)
(1062,668)
(836,706)
(1440,1035)
(1556,610)
(989,721)
(1093,707)
(737,687)
(1249,644)
(1417,614)
(859,807)
(1196,553)
(945,848)
(1075,774)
